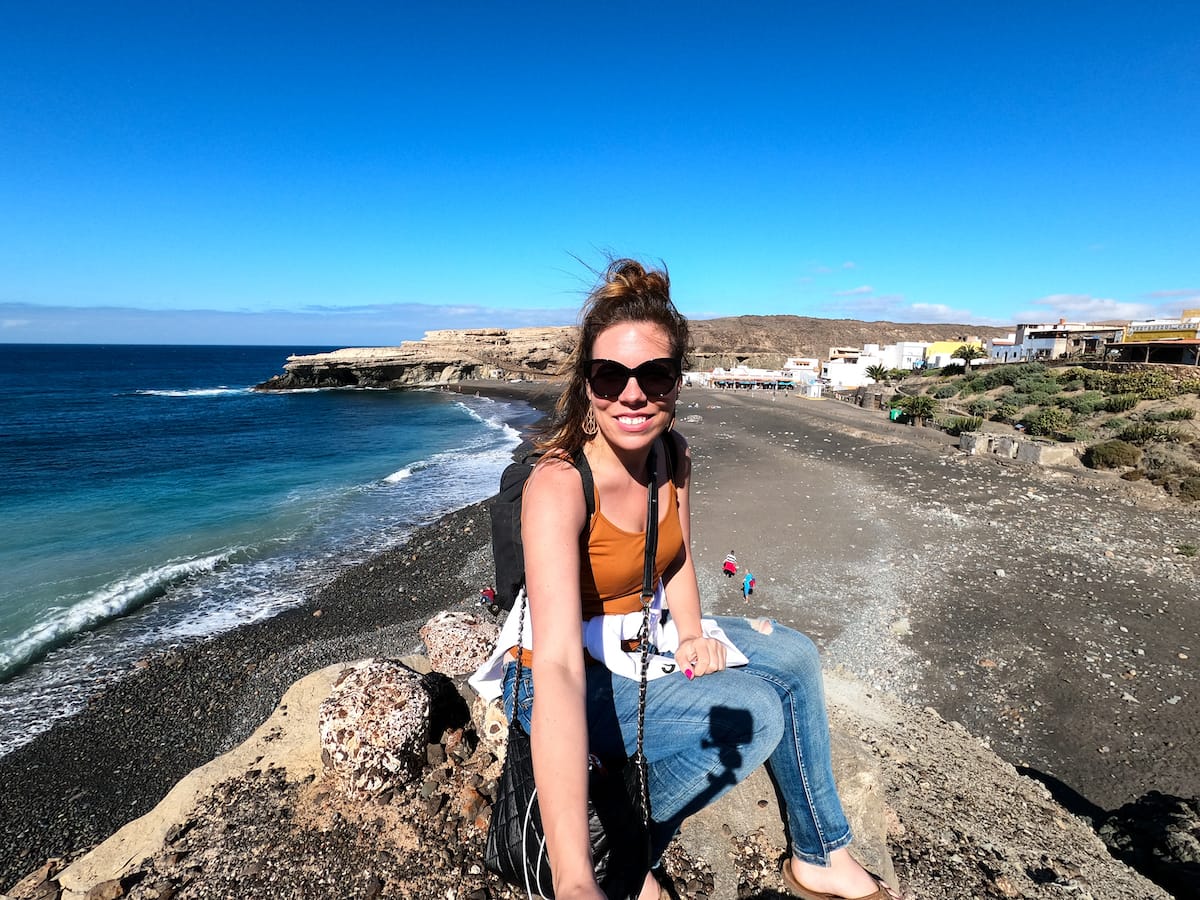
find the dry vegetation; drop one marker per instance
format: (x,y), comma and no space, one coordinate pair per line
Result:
(1144,422)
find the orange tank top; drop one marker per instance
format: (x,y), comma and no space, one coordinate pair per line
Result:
(610,580)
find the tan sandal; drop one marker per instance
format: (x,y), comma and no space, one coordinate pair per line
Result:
(883,892)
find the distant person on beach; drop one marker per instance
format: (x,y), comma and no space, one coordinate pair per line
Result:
(729,567)
(487,597)
(747,586)
(734,697)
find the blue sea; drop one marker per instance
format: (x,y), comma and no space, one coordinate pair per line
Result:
(149,497)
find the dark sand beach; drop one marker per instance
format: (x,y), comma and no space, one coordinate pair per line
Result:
(1049,611)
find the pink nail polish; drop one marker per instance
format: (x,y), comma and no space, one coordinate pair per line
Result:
(688,673)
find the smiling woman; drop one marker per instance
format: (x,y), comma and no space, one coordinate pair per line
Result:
(725,696)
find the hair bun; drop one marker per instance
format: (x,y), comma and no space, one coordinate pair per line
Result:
(631,274)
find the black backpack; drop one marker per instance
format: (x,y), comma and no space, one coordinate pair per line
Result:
(508,551)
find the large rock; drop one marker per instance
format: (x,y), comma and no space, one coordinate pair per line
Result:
(374,726)
(916,788)
(456,642)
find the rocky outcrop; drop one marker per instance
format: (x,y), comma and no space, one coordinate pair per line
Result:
(442,357)
(273,818)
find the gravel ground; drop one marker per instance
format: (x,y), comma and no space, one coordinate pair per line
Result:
(1049,611)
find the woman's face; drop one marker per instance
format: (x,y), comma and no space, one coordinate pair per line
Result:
(632,418)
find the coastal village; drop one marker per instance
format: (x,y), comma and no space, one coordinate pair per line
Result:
(1153,341)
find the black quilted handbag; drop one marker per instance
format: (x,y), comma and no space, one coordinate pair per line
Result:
(618,795)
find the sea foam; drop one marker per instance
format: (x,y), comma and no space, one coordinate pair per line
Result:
(110,602)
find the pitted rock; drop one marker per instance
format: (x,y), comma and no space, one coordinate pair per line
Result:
(374,727)
(457,642)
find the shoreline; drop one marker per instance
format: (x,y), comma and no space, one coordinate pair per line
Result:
(77,782)
(879,540)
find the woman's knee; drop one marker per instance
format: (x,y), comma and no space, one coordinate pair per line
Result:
(753,723)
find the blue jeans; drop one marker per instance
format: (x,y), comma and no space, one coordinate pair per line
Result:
(704,736)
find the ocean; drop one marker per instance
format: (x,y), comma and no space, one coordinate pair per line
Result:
(149,498)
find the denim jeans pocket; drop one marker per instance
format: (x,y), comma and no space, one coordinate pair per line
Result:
(525,700)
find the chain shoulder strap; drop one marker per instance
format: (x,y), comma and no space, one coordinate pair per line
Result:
(643,634)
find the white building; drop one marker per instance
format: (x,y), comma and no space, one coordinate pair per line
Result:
(901,355)
(847,372)
(1003,349)
(1064,339)
(746,378)
(805,368)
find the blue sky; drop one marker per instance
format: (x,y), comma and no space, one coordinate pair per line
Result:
(357,173)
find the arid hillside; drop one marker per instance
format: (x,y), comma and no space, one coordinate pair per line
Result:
(767,340)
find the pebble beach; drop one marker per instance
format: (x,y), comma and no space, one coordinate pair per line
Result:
(1050,611)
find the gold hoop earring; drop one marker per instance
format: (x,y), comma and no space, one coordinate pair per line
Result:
(590,425)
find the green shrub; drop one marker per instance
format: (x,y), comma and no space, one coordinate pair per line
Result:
(1147,432)
(1115,454)
(1041,398)
(945,391)
(1147,384)
(981,406)
(958,424)
(1082,404)
(1047,420)
(1036,384)
(1121,402)
(1178,414)
(1077,435)
(1094,379)
(1005,412)
(1071,379)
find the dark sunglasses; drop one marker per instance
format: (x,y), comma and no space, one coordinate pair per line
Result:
(656,377)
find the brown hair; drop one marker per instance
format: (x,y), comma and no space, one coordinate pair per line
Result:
(626,292)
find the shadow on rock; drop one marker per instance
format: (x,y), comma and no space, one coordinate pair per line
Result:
(1157,834)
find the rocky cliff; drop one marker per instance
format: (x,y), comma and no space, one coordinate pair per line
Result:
(441,357)
(447,356)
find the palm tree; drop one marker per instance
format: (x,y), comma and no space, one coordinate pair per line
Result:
(919,407)
(878,373)
(967,353)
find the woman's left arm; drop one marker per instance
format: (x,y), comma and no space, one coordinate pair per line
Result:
(702,654)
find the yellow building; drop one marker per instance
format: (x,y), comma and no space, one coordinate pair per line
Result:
(938,353)
(1185,328)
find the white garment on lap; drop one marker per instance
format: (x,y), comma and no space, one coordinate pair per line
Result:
(602,636)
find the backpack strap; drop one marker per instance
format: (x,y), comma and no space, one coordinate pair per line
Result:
(671,442)
(579,460)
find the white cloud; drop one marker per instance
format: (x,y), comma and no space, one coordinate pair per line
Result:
(14,323)
(849,264)
(1086,308)
(858,291)
(895,308)
(1179,292)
